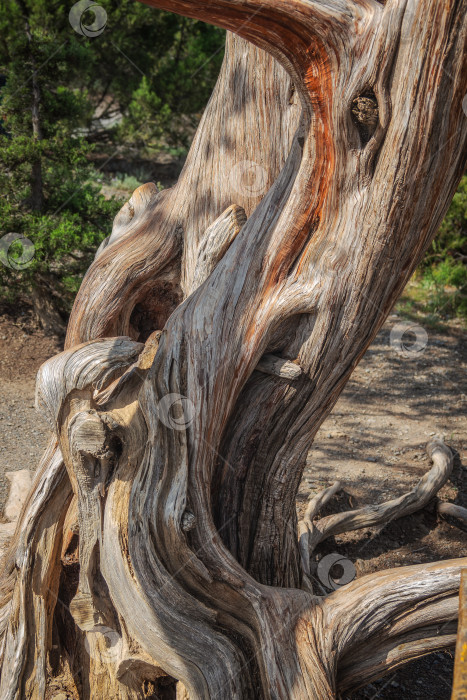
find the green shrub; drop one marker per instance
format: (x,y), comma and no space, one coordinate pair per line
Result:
(53,82)
(444,269)
(46,189)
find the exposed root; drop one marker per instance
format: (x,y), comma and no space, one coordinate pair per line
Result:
(306,526)
(453,511)
(390,617)
(312,533)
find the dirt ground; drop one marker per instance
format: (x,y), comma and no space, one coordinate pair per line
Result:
(373,441)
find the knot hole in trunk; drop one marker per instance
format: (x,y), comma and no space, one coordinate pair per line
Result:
(365,115)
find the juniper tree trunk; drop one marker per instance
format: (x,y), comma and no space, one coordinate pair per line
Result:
(210,338)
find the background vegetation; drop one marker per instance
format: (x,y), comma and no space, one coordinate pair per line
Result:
(83,121)
(71,107)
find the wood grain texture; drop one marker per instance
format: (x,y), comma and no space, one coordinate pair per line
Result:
(459,690)
(453,511)
(164,514)
(312,533)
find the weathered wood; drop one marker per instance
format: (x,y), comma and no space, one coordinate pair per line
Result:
(215,243)
(453,511)
(174,468)
(393,616)
(459,690)
(20,483)
(277,367)
(312,533)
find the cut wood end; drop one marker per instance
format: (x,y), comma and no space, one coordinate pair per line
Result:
(84,612)
(238,215)
(278,367)
(141,198)
(188,521)
(136,205)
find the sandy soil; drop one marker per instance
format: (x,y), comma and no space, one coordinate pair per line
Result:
(373,442)
(23,432)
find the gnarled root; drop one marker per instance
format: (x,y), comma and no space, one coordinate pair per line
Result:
(388,618)
(312,646)
(312,532)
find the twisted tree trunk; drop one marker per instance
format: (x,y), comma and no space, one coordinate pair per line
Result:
(210,339)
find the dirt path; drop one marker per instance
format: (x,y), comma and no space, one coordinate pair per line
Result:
(23,432)
(373,442)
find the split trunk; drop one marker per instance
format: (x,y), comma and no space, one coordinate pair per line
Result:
(210,339)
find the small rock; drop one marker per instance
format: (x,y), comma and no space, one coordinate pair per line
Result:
(20,484)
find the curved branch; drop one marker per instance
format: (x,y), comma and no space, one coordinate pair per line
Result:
(144,252)
(390,617)
(306,527)
(291,31)
(28,582)
(378,659)
(312,533)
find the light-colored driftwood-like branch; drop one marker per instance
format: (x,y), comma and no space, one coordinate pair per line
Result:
(306,526)
(172,475)
(313,532)
(215,242)
(453,511)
